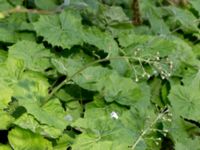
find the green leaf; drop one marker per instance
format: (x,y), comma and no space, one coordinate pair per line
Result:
(63,30)
(187,144)
(64,96)
(11,71)
(34,56)
(155,91)
(126,92)
(6,120)
(177,128)
(146,126)
(30,93)
(21,139)
(4,5)
(184,18)
(63,142)
(195,5)
(101,40)
(74,111)
(7,35)
(5,147)
(67,66)
(115,15)
(42,115)
(49,5)
(16,28)
(94,78)
(18,22)
(27,121)
(148,45)
(6,94)
(101,131)
(67,31)
(186,102)
(3,55)
(158,25)
(17,2)
(181,55)
(87,142)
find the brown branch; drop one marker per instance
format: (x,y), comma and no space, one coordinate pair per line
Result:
(20,9)
(137,20)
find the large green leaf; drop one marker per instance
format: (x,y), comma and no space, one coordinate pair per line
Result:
(27,121)
(42,115)
(31,92)
(186,102)
(21,139)
(66,30)
(15,28)
(68,66)
(94,78)
(101,131)
(126,92)
(63,30)
(183,18)
(148,45)
(177,128)
(34,56)
(143,129)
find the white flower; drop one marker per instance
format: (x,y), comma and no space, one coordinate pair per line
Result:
(155,72)
(68,118)
(114,115)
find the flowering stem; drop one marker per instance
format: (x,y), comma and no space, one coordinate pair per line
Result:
(160,115)
(85,67)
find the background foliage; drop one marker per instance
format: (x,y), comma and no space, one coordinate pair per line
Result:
(79,75)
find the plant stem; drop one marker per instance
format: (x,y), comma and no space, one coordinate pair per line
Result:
(19,9)
(70,78)
(85,67)
(160,115)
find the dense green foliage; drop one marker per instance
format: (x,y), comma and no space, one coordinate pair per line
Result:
(78,75)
